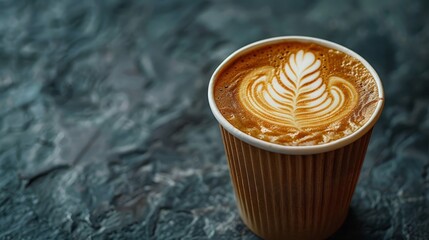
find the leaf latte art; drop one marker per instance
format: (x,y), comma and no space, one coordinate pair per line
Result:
(294,95)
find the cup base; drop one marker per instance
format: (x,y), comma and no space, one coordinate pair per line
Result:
(295,235)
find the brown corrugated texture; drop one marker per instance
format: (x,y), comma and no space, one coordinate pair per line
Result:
(283,196)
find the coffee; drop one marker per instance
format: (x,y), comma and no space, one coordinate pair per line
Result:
(296,93)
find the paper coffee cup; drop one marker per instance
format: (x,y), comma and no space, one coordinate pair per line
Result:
(294,192)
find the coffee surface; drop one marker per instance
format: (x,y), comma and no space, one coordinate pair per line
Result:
(294,93)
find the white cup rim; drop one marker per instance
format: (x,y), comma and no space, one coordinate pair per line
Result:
(296,150)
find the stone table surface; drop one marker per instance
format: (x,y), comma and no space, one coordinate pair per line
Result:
(106,133)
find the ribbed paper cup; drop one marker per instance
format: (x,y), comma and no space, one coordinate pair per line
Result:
(282,196)
(294,192)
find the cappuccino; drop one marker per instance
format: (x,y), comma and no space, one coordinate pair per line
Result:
(296,93)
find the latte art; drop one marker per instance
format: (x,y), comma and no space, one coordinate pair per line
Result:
(295,95)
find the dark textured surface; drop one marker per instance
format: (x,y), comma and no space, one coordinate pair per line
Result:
(105,130)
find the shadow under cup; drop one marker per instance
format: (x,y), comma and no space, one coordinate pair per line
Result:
(294,192)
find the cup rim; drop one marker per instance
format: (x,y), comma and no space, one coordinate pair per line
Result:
(286,149)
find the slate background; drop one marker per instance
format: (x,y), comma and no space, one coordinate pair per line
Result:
(105,130)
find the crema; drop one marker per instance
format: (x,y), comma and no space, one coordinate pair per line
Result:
(295,93)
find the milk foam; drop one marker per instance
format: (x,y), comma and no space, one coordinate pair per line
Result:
(296,93)
(295,96)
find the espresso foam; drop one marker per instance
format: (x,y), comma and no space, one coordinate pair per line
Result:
(296,93)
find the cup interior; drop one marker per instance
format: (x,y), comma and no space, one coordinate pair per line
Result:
(295,150)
